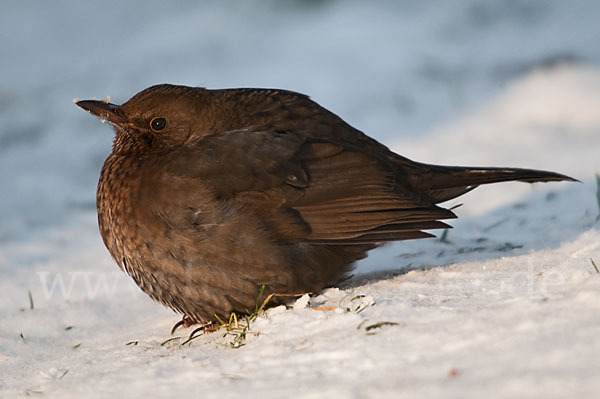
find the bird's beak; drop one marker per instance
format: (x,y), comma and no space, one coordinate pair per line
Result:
(103,110)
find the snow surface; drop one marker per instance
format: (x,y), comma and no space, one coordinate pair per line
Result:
(506,305)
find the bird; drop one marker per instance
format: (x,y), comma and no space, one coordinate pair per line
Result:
(211,198)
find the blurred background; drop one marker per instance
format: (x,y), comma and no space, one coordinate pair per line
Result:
(395,69)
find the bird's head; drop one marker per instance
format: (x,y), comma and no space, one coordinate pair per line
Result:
(157,119)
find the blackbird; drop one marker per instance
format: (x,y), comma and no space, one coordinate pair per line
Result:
(213,197)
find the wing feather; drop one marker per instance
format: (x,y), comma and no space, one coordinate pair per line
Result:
(311,190)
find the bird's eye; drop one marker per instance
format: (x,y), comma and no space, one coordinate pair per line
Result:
(157,124)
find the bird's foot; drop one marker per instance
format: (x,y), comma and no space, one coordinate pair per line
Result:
(185,322)
(205,328)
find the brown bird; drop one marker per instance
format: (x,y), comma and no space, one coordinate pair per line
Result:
(209,195)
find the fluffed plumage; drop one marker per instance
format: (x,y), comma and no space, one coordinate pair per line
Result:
(210,194)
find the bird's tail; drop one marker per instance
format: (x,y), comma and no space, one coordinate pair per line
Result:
(442,183)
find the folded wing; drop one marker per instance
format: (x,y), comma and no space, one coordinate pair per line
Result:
(313,190)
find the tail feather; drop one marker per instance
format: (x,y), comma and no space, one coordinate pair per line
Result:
(442,183)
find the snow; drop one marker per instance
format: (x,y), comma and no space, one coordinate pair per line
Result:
(505,306)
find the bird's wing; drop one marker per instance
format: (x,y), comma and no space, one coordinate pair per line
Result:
(311,190)
(355,198)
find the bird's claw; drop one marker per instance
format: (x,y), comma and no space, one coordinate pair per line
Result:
(185,322)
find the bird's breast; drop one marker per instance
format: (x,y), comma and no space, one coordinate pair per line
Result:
(117,188)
